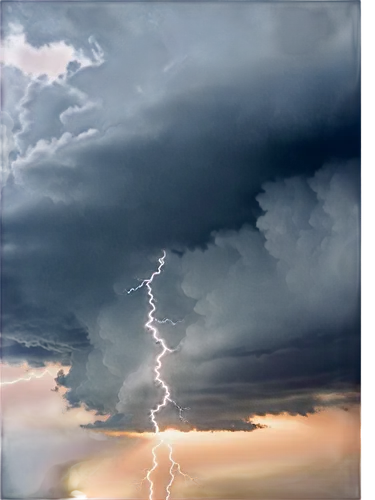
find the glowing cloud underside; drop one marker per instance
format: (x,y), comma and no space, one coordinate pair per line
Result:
(150,325)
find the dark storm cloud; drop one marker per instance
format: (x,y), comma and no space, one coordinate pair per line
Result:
(13,84)
(164,141)
(8,147)
(90,30)
(83,28)
(237,358)
(50,107)
(9,119)
(13,92)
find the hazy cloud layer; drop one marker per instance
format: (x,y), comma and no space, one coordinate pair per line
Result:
(228,137)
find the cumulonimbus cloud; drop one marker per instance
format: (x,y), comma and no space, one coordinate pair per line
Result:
(177,161)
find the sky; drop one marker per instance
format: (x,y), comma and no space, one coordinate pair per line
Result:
(302,457)
(228,135)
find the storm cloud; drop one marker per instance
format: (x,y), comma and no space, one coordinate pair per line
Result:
(231,139)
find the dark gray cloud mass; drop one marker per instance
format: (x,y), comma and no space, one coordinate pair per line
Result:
(229,135)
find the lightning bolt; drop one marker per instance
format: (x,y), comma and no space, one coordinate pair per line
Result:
(150,325)
(167,320)
(27,378)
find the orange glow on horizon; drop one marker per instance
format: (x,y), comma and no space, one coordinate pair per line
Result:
(320,451)
(293,454)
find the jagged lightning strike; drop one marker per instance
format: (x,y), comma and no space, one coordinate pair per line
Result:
(175,466)
(167,320)
(27,378)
